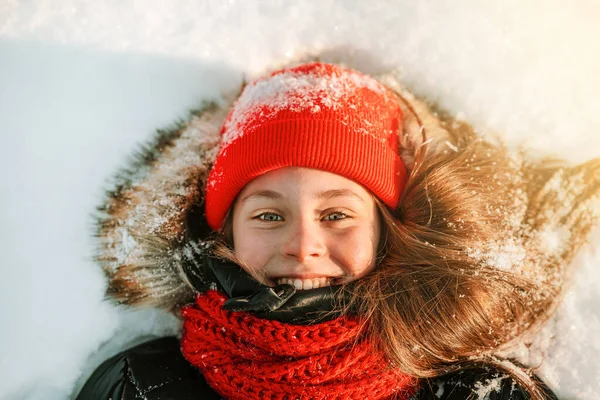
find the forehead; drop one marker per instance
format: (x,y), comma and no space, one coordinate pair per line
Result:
(298,181)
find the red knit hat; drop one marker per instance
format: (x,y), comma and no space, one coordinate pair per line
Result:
(314,115)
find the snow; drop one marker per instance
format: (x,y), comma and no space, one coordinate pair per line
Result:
(483,389)
(82,83)
(452,146)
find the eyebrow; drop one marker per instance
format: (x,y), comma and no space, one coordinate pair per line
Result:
(325,195)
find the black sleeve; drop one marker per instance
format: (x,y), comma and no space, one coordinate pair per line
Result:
(480,383)
(107,381)
(152,370)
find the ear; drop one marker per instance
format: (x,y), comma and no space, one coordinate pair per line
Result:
(421,124)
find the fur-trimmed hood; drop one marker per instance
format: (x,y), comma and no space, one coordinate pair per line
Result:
(152,231)
(151,226)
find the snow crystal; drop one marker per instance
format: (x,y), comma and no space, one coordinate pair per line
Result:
(128,243)
(555,239)
(508,254)
(453,147)
(440,390)
(483,389)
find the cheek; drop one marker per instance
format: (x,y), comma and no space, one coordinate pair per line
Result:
(356,249)
(243,243)
(251,249)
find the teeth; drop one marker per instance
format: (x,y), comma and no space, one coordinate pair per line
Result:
(306,284)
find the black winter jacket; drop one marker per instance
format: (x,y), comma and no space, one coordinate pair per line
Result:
(156,370)
(153,237)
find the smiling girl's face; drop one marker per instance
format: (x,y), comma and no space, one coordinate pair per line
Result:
(306,227)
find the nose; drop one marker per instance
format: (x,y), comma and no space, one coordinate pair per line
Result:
(304,242)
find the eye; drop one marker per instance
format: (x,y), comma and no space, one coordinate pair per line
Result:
(269,217)
(338,216)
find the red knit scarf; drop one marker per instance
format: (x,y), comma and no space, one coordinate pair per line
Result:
(245,357)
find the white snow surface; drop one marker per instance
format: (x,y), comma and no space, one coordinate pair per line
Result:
(82,82)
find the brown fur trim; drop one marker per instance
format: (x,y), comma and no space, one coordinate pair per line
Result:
(141,225)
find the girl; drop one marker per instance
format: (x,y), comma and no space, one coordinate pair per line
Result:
(328,236)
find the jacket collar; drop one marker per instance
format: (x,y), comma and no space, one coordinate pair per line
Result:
(282,303)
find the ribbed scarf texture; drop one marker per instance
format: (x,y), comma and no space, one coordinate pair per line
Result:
(245,357)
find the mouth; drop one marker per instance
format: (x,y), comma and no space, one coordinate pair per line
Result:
(307,283)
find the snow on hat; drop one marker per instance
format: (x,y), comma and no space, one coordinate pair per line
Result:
(314,115)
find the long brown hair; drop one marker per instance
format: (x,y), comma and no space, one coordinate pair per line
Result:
(474,257)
